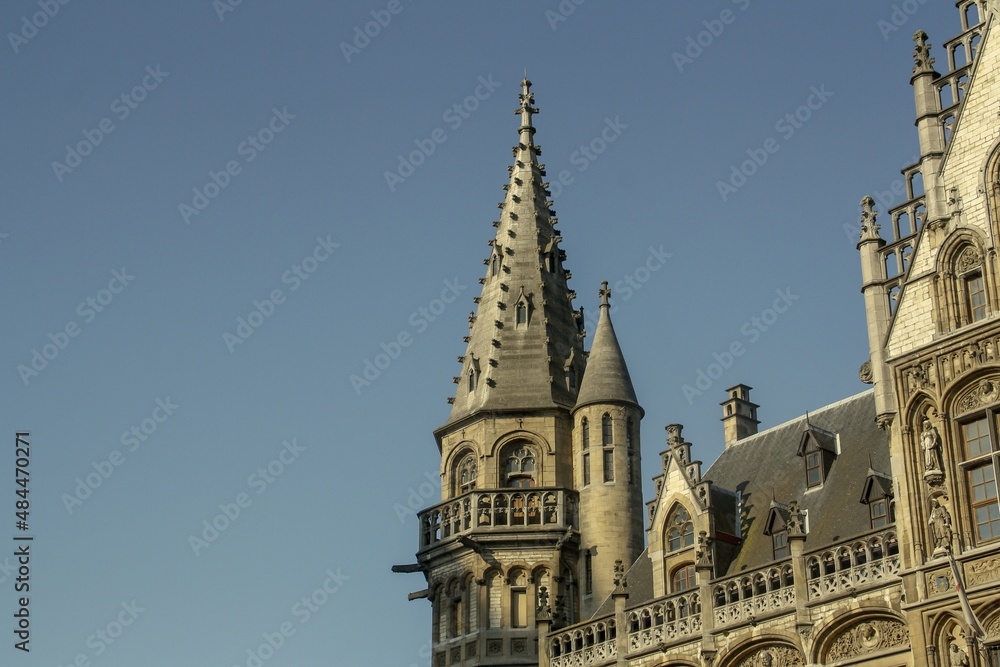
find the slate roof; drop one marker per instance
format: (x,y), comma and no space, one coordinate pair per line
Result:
(768,463)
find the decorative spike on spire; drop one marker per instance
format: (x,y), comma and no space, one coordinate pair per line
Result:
(869,227)
(526,109)
(922,61)
(605,295)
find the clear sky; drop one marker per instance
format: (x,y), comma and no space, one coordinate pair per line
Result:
(170,168)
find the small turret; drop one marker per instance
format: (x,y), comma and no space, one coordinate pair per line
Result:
(606,457)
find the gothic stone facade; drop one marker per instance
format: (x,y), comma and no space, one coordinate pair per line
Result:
(844,549)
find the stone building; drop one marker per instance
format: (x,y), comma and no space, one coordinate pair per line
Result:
(872,534)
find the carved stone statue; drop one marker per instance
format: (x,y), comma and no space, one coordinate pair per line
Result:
(930,440)
(958,657)
(940,524)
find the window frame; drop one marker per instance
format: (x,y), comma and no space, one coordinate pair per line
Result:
(814,462)
(679,522)
(984,462)
(780,548)
(522,478)
(690,578)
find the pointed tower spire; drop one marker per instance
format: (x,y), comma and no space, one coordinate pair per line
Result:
(525,348)
(606,379)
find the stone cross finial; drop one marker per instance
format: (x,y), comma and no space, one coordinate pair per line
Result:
(869,226)
(605,294)
(922,61)
(796,519)
(620,583)
(703,553)
(543,611)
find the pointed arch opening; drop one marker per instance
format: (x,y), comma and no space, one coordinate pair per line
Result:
(679,529)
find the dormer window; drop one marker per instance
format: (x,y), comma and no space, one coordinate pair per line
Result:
(818,448)
(782,519)
(877,495)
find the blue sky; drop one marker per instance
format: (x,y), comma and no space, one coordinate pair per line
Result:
(201,242)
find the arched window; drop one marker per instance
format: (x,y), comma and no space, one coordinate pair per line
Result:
(465,473)
(585,432)
(683,579)
(963,292)
(521,313)
(495,265)
(518,466)
(680,529)
(606,429)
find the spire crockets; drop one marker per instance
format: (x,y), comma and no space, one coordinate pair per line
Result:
(525,348)
(606,379)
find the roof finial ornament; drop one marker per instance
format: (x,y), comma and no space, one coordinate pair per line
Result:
(922,61)
(869,228)
(527,99)
(605,294)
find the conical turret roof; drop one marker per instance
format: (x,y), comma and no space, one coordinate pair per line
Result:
(525,348)
(606,379)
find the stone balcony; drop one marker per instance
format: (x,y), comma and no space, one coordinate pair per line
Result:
(498,511)
(866,562)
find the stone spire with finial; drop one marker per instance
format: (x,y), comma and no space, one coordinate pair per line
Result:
(526,336)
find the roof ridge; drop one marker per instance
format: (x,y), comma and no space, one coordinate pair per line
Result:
(800,417)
